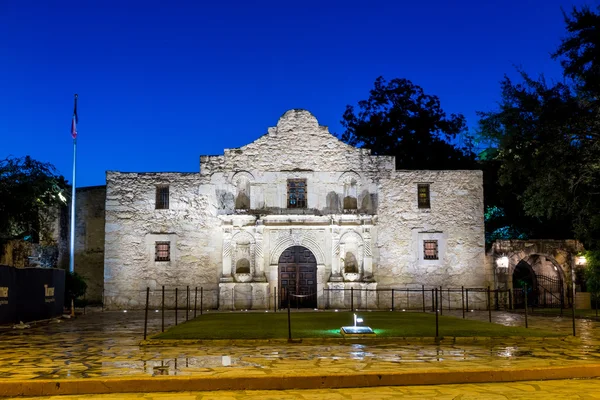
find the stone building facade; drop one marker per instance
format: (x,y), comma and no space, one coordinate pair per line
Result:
(89,240)
(294,212)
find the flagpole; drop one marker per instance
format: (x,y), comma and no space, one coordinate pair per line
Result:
(73,190)
(72,244)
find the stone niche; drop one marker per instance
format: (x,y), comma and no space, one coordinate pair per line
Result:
(351,282)
(243,285)
(351,256)
(243,248)
(242,182)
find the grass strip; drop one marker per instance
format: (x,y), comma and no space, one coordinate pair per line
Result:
(324,324)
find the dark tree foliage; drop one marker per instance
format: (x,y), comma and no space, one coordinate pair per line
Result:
(29,189)
(538,157)
(547,141)
(75,287)
(400,120)
(579,52)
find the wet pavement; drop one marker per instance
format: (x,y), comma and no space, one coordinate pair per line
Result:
(106,344)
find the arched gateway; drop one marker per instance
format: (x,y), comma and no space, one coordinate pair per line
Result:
(298,276)
(546,267)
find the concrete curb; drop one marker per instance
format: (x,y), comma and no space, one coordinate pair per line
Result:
(280,381)
(370,340)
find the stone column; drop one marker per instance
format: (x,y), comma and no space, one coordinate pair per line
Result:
(368,254)
(336,252)
(259,263)
(274,281)
(336,268)
(227,249)
(321,293)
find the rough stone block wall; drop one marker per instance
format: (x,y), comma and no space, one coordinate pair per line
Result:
(15,253)
(89,239)
(133,225)
(455,219)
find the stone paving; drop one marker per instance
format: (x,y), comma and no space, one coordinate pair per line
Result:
(560,389)
(106,344)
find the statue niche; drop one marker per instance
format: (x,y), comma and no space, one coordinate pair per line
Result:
(350,182)
(242,266)
(243,256)
(242,181)
(350,264)
(352,255)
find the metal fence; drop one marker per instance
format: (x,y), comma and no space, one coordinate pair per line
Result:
(187,304)
(394,299)
(173,305)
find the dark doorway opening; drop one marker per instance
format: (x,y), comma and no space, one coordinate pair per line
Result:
(542,290)
(524,279)
(298,277)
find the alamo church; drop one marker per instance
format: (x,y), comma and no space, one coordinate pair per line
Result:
(296,211)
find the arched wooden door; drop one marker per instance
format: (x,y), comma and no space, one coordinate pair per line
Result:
(298,276)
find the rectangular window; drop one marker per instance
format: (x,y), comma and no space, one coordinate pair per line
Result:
(162,251)
(423,190)
(430,248)
(296,193)
(162,197)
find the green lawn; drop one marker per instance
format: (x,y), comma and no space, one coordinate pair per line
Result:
(254,325)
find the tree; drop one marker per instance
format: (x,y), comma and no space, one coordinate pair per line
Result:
(400,120)
(546,139)
(579,52)
(29,192)
(75,287)
(539,162)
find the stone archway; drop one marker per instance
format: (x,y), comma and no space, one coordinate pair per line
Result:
(546,266)
(297,278)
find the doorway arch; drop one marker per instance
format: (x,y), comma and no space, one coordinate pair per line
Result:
(544,279)
(298,276)
(524,277)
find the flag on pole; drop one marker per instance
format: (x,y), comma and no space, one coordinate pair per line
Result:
(74,121)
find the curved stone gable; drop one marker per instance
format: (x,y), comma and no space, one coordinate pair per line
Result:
(298,142)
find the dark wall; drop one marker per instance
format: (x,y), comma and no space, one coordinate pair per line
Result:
(33,294)
(8,294)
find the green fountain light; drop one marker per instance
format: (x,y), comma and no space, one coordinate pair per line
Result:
(357,330)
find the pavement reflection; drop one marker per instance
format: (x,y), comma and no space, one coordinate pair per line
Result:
(104,344)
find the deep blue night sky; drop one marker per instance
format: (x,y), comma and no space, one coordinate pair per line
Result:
(162,82)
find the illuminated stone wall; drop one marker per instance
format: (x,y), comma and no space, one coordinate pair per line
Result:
(361,223)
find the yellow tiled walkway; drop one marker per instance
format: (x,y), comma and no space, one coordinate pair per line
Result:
(106,345)
(561,389)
